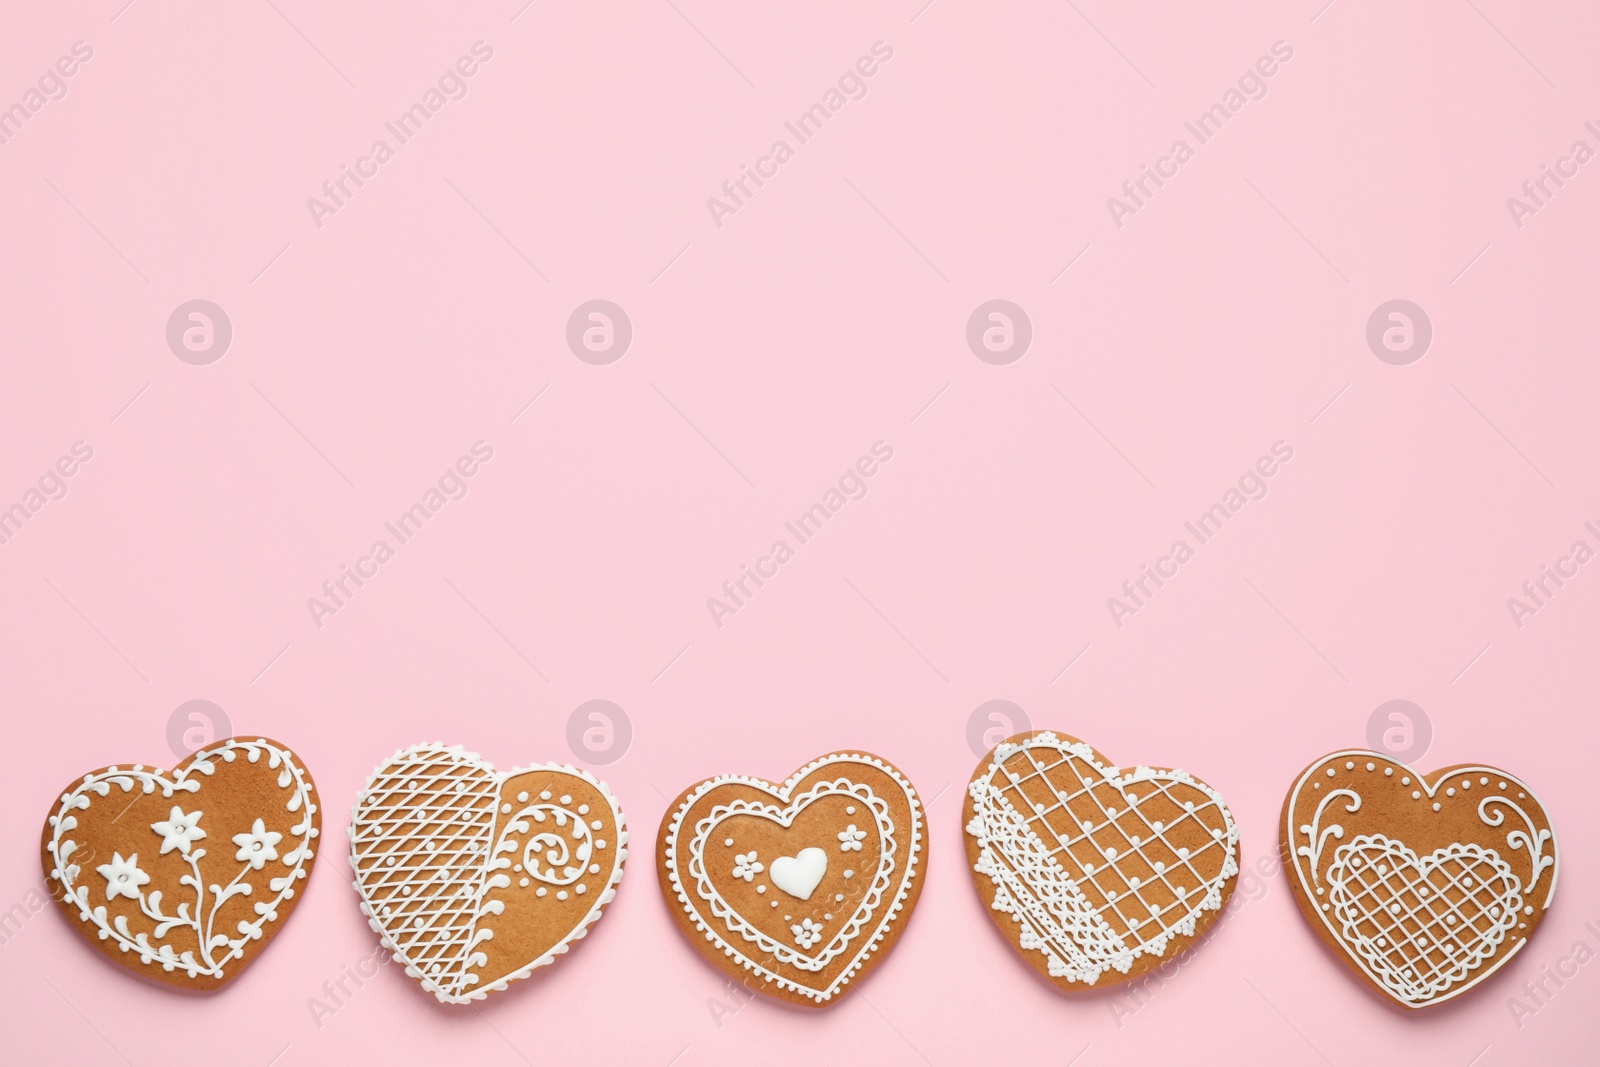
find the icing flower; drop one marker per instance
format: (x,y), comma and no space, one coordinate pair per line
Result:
(258,846)
(808,933)
(178,831)
(850,838)
(745,865)
(123,876)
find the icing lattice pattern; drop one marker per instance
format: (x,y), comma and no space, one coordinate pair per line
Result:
(1098,866)
(420,845)
(1422,925)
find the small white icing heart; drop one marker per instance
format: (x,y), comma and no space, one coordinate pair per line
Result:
(799,875)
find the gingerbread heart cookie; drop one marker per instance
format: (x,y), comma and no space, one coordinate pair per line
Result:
(474,878)
(1424,884)
(183,876)
(1094,871)
(799,889)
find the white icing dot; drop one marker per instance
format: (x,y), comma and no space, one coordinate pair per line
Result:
(580,889)
(505,809)
(1483,781)
(1160,867)
(1372,766)
(850,810)
(461,787)
(1466,783)
(1528,910)
(594,868)
(837,897)
(849,874)
(827,915)
(1111,812)
(1502,785)
(561,894)
(1450,792)
(728,842)
(1135,840)
(600,843)
(774,903)
(541,891)
(761,889)
(1111,894)
(1183,853)
(1111,853)
(1436,805)
(522,881)
(1134,882)
(1330,772)
(1416,795)
(583,809)
(1158,826)
(566,800)
(1405,780)
(522,798)
(390,861)
(1388,772)
(545,795)
(595,825)
(1349,765)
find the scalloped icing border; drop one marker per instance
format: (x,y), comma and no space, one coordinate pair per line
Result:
(604,897)
(913,861)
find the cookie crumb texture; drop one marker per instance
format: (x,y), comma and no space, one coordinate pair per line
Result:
(183,876)
(473,878)
(1423,884)
(795,890)
(1095,873)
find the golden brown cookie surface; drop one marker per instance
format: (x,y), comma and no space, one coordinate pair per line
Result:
(1095,873)
(474,878)
(183,876)
(796,890)
(1423,884)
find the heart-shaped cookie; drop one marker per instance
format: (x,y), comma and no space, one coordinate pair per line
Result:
(1424,884)
(799,889)
(1090,870)
(183,876)
(474,878)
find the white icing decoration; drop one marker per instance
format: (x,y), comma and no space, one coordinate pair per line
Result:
(1424,929)
(1421,925)
(213,950)
(798,875)
(850,838)
(433,901)
(1039,880)
(807,933)
(745,866)
(859,935)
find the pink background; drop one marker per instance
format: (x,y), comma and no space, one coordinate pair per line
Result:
(1228,314)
